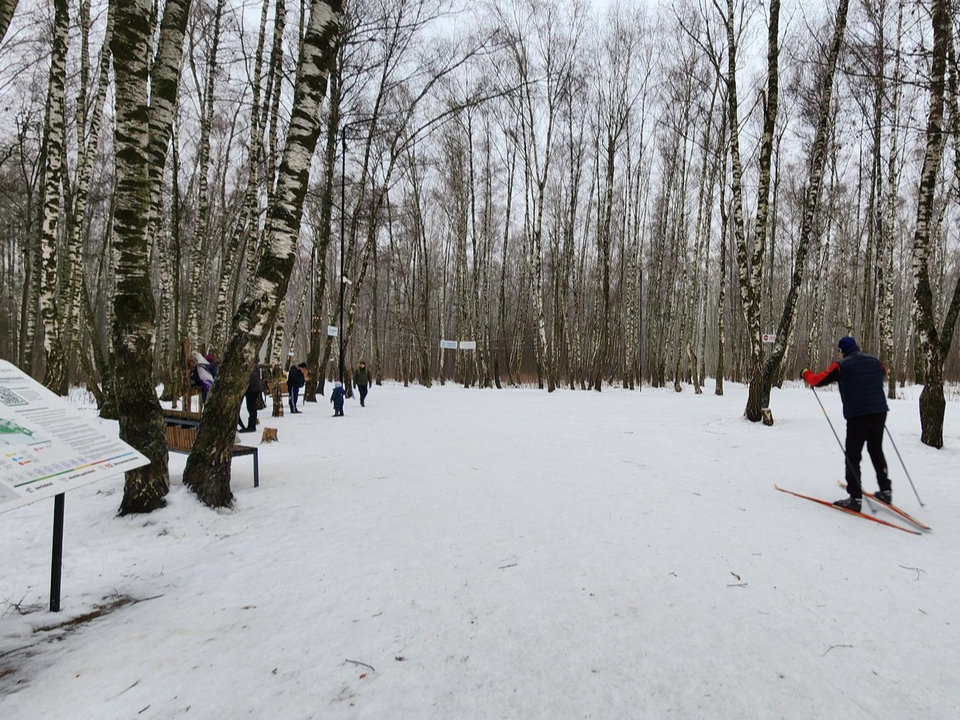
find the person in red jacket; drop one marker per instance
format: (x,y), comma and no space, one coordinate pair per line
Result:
(860,377)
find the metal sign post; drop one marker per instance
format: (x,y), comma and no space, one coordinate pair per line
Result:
(56,564)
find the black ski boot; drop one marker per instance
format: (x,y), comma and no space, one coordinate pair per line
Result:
(849,503)
(884,496)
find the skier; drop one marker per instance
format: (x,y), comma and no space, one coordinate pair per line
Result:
(252,396)
(295,381)
(361,378)
(860,377)
(336,397)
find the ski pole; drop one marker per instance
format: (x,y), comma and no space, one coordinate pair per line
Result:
(842,449)
(904,466)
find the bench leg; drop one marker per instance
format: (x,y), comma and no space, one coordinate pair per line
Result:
(256,468)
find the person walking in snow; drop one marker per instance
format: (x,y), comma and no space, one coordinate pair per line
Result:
(252,396)
(860,377)
(361,378)
(296,380)
(336,397)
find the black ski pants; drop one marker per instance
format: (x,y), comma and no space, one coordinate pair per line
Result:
(363,393)
(251,399)
(865,429)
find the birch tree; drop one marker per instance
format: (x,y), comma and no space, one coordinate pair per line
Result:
(812,193)
(932,400)
(750,272)
(885,280)
(55,377)
(138,149)
(208,467)
(7,9)
(200,245)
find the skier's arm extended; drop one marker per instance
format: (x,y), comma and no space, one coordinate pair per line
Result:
(830,375)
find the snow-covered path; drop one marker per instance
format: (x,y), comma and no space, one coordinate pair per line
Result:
(506,554)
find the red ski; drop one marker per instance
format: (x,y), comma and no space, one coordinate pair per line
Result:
(849,512)
(893,508)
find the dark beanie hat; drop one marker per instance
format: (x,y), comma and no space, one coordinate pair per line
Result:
(848,345)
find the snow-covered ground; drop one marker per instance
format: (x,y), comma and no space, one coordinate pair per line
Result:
(504,554)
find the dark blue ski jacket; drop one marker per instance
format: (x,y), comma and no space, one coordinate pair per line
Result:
(860,377)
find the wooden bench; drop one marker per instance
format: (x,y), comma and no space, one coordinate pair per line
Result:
(181,418)
(182,429)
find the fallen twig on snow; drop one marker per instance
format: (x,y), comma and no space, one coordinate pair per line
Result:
(129,688)
(504,567)
(357,662)
(21,608)
(835,646)
(916,570)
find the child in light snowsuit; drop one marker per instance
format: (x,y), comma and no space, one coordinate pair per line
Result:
(336,397)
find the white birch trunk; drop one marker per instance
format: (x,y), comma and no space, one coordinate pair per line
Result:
(55,377)
(208,467)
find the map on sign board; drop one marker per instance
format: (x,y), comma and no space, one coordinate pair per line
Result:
(448,344)
(48,447)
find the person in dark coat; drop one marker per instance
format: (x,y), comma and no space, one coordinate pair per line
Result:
(361,378)
(296,380)
(336,397)
(861,379)
(251,397)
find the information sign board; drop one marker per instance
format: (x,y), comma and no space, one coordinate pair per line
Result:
(48,447)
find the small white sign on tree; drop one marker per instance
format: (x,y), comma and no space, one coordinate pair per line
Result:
(448,344)
(768,338)
(333,330)
(468,345)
